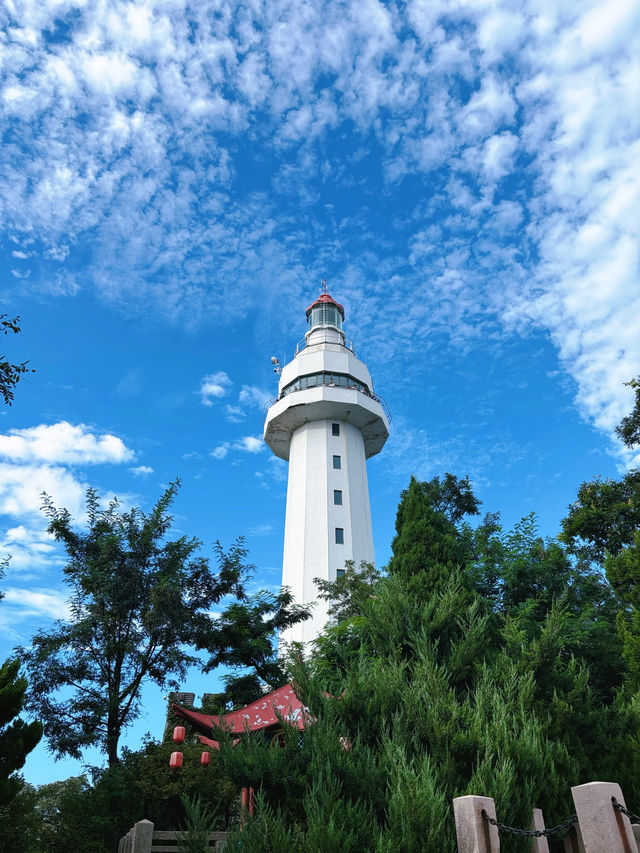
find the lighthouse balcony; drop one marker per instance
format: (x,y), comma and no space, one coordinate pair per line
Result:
(353,405)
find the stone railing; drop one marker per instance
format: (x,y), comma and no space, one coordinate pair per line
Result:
(142,838)
(601,824)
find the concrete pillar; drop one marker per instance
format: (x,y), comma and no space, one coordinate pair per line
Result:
(573,841)
(474,833)
(603,829)
(142,837)
(538,845)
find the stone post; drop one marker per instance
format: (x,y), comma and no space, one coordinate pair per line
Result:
(603,829)
(142,837)
(573,841)
(538,845)
(474,833)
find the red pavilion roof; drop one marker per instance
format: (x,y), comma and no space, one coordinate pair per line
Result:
(261,714)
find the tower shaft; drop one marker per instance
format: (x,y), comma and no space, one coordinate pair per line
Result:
(326,422)
(328,518)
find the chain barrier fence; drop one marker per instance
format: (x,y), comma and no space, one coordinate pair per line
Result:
(562,829)
(601,824)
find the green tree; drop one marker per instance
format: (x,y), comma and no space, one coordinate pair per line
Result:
(629,428)
(603,527)
(424,691)
(66,817)
(243,639)
(10,374)
(17,738)
(523,576)
(408,722)
(138,602)
(20,823)
(428,546)
(604,517)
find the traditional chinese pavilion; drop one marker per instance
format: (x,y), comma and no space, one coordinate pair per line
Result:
(265,714)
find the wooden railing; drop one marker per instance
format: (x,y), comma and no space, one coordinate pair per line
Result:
(601,824)
(142,838)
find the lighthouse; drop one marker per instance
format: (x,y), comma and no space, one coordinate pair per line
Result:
(326,422)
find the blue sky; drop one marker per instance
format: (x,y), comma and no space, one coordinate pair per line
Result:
(177,179)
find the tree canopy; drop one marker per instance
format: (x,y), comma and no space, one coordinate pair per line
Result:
(472,667)
(17,738)
(10,373)
(139,601)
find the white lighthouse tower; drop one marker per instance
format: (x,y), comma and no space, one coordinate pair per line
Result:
(326,422)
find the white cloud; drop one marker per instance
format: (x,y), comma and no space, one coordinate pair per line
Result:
(142,470)
(214,385)
(254,396)
(234,414)
(261,530)
(31,548)
(21,488)
(24,610)
(46,602)
(63,443)
(126,120)
(246,444)
(250,444)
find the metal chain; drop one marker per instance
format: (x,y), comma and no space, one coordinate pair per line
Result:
(620,808)
(560,829)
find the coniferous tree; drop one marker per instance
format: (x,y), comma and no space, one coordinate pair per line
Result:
(17,738)
(423,691)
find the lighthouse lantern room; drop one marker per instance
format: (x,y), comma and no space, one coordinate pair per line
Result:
(326,422)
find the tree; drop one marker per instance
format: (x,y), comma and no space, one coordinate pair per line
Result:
(138,602)
(629,428)
(428,545)
(10,374)
(524,576)
(603,527)
(424,690)
(17,738)
(243,638)
(604,517)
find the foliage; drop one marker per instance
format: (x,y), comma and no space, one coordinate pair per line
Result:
(17,738)
(428,547)
(603,526)
(604,517)
(20,822)
(424,690)
(67,819)
(10,374)
(243,638)
(400,737)
(199,823)
(523,576)
(84,814)
(137,602)
(345,595)
(629,428)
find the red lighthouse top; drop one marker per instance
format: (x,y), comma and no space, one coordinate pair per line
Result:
(325,299)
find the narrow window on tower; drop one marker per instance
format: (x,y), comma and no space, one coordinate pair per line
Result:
(337,462)
(337,497)
(339,536)
(339,574)
(335,429)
